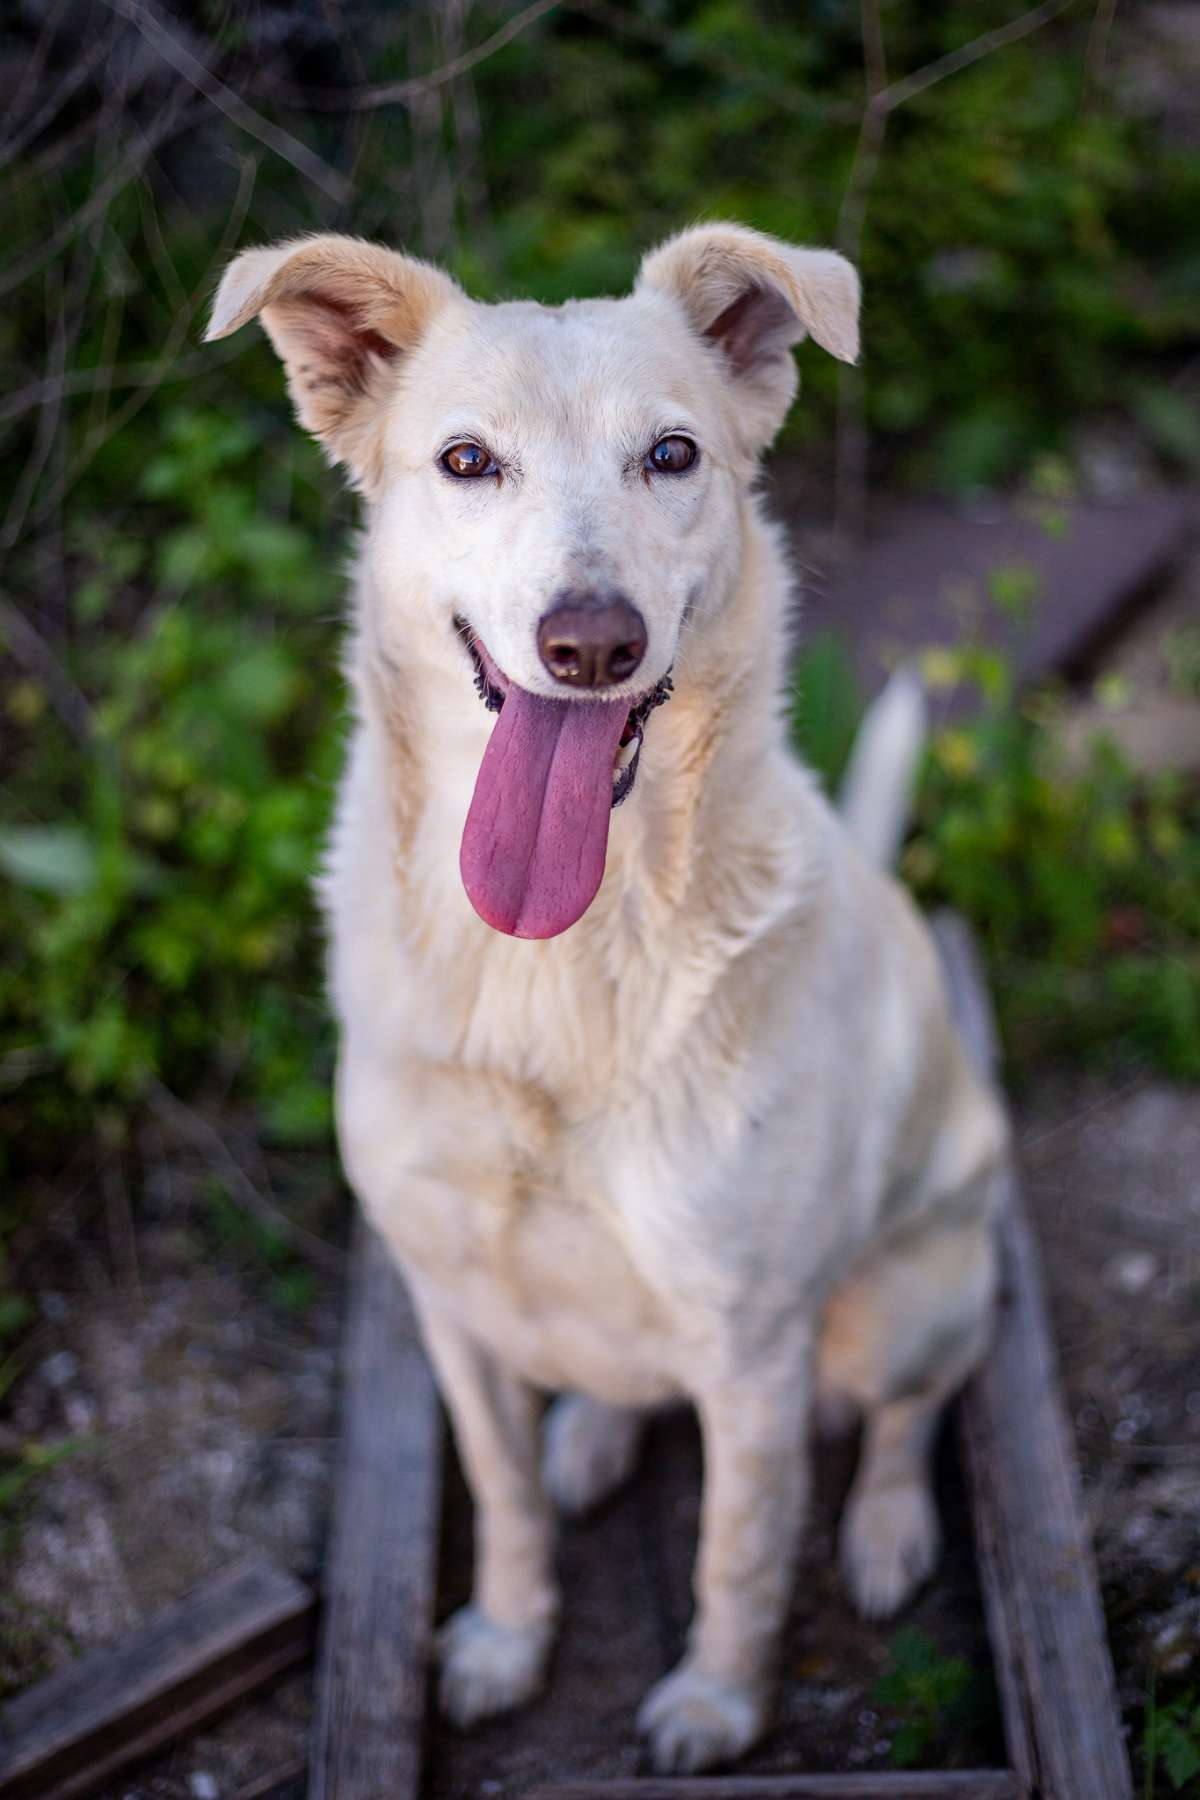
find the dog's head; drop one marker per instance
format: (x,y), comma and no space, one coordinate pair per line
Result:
(559,484)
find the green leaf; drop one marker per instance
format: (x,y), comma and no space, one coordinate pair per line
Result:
(1180,1748)
(15,1313)
(55,859)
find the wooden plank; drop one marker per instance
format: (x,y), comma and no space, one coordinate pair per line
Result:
(924,575)
(1053,1667)
(73,1732)
(954,1784)
(381,1577)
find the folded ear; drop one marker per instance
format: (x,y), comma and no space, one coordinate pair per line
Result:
(341,313)
(752,297)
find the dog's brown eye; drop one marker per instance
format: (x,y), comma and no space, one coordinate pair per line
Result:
(671,456)
(467,460)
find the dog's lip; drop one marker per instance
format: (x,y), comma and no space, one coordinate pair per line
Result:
(488,673)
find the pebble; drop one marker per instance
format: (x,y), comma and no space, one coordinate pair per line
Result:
(60,1368)
(1132,1272)
(203,1785)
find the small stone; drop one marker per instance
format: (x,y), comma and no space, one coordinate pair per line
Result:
(60,1368)
(203,1785)
(1132,1272)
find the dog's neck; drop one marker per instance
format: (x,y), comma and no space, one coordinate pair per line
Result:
(719,808)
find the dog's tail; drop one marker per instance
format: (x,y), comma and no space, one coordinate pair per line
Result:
(877,788)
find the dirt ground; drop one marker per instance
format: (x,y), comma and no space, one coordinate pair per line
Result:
(201,1395)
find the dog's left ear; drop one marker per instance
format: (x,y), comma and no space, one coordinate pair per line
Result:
(752,297)
(342,314)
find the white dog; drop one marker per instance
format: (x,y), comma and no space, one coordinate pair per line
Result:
(710,1135)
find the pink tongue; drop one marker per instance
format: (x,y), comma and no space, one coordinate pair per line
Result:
(533,848)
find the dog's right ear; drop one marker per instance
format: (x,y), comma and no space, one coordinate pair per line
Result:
(341,313)
(750,297)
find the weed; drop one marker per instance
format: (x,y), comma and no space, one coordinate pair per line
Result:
(931,1695)
(1171,1741)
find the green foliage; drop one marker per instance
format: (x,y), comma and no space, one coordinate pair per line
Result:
(826,706)
(156,909)
(930,1694)
(1171,1743)
(19,1471)
(1026,258)
(1083,882)
(290,1283)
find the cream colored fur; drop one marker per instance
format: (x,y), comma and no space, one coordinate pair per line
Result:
(718,1141)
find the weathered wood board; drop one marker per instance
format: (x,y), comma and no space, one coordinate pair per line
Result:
(1061,1718)
(381,1571)
(957,1784)
(70,1733)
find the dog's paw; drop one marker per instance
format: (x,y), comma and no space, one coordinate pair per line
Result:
(488,1668)
(889,1545)
(692,1722)
(590,1450)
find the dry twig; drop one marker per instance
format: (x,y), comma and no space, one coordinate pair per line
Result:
(192,1126)
(882,102)
(400,93)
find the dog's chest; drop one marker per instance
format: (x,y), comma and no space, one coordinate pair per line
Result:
(560,1298)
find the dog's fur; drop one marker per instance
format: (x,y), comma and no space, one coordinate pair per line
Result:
(718,1141)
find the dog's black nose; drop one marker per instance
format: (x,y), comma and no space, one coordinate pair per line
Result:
(592,640)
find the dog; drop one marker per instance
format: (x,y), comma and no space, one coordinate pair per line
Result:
(646,1074)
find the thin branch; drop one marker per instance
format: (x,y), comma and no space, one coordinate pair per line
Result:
(874,52)
(194,1128)
(87,381)
(70,84)
(43,443)
(850,469)
(36,168)
(956,60)
(176,338)
(27,645)
(784,95)
(399,93)
(1097,51)
(167,125)
(306,162)
(882,101)
(31,74)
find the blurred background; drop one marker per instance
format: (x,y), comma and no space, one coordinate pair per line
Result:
(1005,487)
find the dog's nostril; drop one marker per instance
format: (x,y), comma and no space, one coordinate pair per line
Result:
(592,641)
(624,660)
(563,659)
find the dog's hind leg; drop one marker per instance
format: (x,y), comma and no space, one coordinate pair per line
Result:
(493,1652)
(900,1338)
(590,1449)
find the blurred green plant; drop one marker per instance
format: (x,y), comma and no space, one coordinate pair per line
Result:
(1083,882)
(1027,259)
(1171,1742)
(932,1696)
(157,918)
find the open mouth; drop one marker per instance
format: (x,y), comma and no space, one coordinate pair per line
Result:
(536,835)
(492,686)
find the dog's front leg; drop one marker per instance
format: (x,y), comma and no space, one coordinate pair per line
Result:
(493,1652)
(754,1426)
